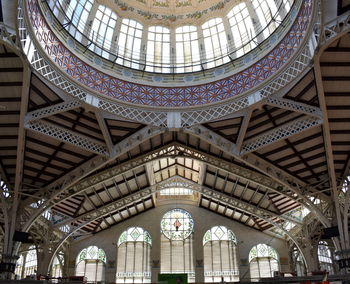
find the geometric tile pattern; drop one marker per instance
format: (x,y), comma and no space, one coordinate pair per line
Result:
(142,95)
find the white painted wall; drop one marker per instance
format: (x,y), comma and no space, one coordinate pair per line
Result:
(204,220)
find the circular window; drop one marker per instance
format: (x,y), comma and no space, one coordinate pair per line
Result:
(177,224)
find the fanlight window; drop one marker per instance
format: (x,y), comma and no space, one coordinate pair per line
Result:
(220,255)
(263,261)
(134,250)
(325,257)
(177,224)
(102,30)
(177,243)
(215,42)
(176,191)
(91,263)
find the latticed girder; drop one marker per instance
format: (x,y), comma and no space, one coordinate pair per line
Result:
(334,28)
(52,110)
(147,192)
(270,217)
(280,133)
(67,136)
(294,106)
(287,181)
(175,149)
(37,57)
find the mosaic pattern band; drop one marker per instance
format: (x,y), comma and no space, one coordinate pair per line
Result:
(142,95)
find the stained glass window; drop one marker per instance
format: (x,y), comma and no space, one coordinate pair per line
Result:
(135,234)
(220,255)
(91,264)
(177,243)
(218,233)
(177,224)
(133,261)
(263,261)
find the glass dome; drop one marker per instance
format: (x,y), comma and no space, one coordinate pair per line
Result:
(168,36)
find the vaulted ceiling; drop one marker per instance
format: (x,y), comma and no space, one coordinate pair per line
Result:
(95,170)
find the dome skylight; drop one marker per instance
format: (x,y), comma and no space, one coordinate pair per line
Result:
(177,43)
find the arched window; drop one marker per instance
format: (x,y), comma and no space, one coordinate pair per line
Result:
(102,30)
(31,262)
(134,249)
(57,265)
(263,261)
(298,261)
(325,257)
(267,15)
(187,49)
(220,255)
(19,267)
(177,243)
(91,263)
(77,14)
(242,29)
(129,43)
(158,49)
(215,42)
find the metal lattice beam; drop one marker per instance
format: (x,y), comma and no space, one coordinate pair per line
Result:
(285,180)
(294,106)
(52,110)
(280,133)
(147,192)
(222,198)
(67,136)
(57,191)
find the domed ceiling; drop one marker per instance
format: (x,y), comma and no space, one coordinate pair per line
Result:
(168,11)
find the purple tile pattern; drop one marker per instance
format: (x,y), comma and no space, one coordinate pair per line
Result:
(169,96)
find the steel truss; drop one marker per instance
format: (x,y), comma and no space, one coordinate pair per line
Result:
(287,181)
(41,63)
(52,110)
(176,150)
(121,203)
(280,133)
(68,136)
